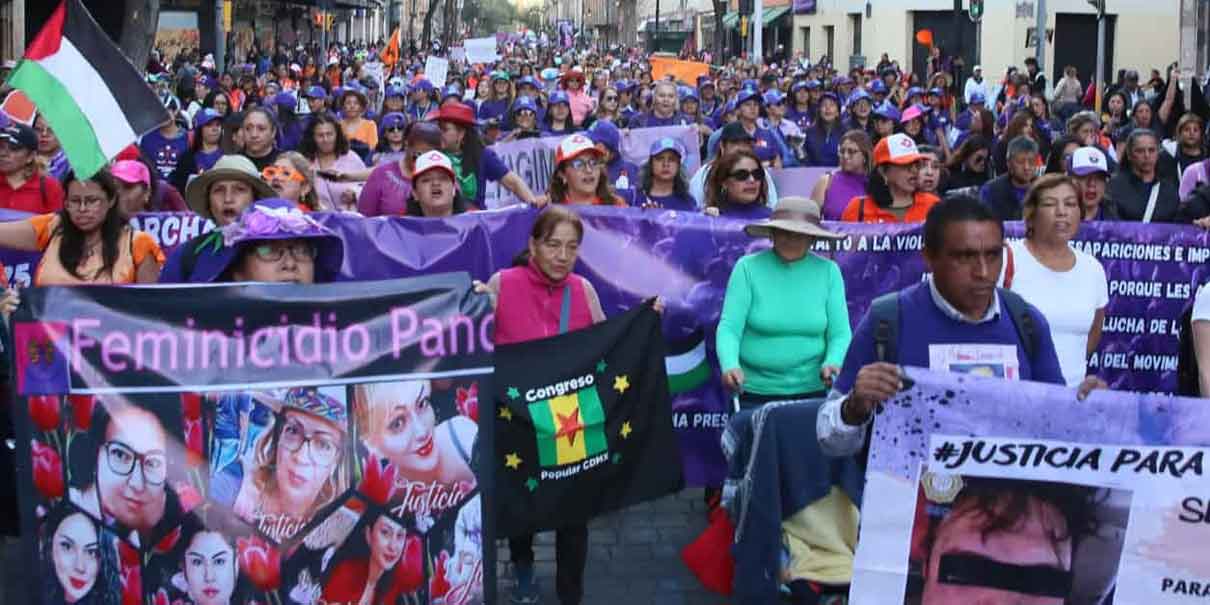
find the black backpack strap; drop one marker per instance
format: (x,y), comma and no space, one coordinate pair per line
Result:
(1023,320)
(884,312)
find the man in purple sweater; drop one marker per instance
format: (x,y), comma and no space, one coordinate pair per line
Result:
(955,313)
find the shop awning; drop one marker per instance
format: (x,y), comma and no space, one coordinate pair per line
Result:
(731,20)
(771,15)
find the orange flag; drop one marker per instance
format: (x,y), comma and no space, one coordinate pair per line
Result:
(390,55)
(685,71)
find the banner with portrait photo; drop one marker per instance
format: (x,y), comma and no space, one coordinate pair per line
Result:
(980,493)
(278,444)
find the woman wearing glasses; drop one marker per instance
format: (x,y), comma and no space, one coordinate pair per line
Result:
(121,469)
(608,108)
(970,167)
(390,185)
(834,191)
(894,187)
(291,178)
(736,187)
(295,468)
(337,167)
(579,176)
(88,241)
(390,141)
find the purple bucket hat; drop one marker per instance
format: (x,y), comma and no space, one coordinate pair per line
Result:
(267,220)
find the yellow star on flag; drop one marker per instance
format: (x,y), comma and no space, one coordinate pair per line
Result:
(621,383)
(626,430)
(512,460)
(506,413)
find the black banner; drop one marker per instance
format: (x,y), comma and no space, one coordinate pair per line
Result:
(583,425)
(256,443)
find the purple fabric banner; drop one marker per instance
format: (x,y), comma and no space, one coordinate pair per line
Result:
(798,181)
(803,7)
(631,254)
(534,159)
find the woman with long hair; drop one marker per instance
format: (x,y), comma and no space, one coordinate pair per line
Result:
(289,126)
(579,176)
(78,565)
(663,182)
(524,119)
(1060,150)
(204,150)
(608,107)
(558,120)
(217,100)
(88,241)
(474,163)
(736,187)
(499,100)
(292,178)
(379,562)
(337,168)
(981,123)
(823,137)
(391,145)
(353,105)
(1020,125)
(932,170)
(389,185)
(894,188)
(834,191)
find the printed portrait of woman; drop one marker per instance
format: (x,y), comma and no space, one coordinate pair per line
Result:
(298,465)
(379,562)
(75,567)
(199,563)
(398,422)
(460,576)
(124,465)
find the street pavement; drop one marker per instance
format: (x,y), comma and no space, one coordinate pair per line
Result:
(634,556)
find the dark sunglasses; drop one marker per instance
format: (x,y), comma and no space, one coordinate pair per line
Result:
(745,175)
(394,128)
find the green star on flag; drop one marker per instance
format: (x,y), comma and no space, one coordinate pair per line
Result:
(513,393)
(531,484)
(617,458)
(601,365)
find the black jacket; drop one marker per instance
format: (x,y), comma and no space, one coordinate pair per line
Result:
(1130,195)
(1000,196)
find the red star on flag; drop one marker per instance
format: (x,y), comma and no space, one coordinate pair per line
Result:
(569,425)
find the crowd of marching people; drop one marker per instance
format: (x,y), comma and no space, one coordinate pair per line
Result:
(362,130)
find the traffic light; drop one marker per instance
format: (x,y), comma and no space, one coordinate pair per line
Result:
(976,10)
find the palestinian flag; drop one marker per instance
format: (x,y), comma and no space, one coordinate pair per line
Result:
(93,98)
(583,425)
(686,363)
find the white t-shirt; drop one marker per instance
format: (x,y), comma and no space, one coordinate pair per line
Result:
(1201,304)
(1069,301)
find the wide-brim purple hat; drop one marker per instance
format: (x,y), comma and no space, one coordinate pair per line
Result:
(268,220)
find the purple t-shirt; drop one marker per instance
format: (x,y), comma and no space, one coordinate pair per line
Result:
(491,168)
(844,187)
(650,120)
(754,211)
(386,192)
(684,203)
(163,152)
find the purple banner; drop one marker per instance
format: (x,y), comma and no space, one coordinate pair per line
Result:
(630,254)
(804,7)
(534,159)
(798,181)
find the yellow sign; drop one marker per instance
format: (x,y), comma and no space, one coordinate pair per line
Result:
(228,9)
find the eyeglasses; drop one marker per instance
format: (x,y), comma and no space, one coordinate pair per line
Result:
(285,172)
(122,460)
(81,203)
(273,253)
(847,151)
(746,175)
(393,129)
(323,450)
(611,97)
(581,164)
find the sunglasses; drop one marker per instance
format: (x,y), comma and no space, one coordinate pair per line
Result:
(611,97)
(746,175)
(272,172)
(393,129)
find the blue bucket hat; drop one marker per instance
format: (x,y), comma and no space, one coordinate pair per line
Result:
(393,91)
(316,92)
(267,220)
(667,144)
(748,84)
(558,97)
(604,132)
(549,74)
(703,82)
(774,97)
(748,94)
(800,85)
(393,120)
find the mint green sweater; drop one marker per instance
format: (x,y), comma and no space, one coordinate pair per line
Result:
(782,322)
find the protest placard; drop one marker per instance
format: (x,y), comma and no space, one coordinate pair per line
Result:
(435,70)
(976,489)
(212,408)
(481,50)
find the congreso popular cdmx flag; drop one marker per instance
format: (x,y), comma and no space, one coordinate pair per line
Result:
(583,424)
(88,91)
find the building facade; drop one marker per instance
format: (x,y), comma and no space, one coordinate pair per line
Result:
(1140,34)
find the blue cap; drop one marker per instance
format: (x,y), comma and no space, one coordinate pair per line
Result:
(451,91)
(800,85)
(936,92)
(316,92)
(730,106)
(549,74)
(560,96)
(878,87)
(747,94)
(687,94)
(393,119)
(978,98)
(500,74)
(528,81)
(704,81)
(605,133)
(858,94)
(421,85)
(667,144)
(827,94)
(814,84)
(393,91)
(842,81)
(205,116)
(774,97)
(913,91)
(887,111)
(285,99)
(748,84)
(524,102)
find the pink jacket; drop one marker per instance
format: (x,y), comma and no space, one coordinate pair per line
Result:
(529,304)
(581,105)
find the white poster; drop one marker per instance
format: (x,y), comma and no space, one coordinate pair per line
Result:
(481,50)
(435,69)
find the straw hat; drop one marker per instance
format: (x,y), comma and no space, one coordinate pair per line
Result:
(796,215)
(227,168)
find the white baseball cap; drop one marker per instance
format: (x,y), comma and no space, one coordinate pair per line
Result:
(433,160)
(1087,160)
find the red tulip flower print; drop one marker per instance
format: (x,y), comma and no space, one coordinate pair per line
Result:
(378,480)
(194,454)
(191,406)
(468,401)
(438,585)
(48,470)
(45,411)
(168,542)
(260,563)
(132,582)
(81,411)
